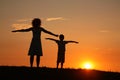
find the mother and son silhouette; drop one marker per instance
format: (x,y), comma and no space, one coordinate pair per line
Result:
(36,47)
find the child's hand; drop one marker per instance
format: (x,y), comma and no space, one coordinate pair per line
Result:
(77,42)
(14,31)
(47,38)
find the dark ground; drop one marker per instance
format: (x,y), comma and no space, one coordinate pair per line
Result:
(27,73)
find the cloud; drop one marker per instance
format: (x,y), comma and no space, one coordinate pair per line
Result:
(21,26)
(55,18)
(104,31)
(24,20)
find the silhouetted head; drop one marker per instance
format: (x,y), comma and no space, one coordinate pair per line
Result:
(61,37)
(36,22)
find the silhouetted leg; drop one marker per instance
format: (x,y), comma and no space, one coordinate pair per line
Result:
(38,60)
(31,60)
(61,65)
(57,64)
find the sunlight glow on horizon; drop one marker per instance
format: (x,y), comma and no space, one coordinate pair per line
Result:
(87,65)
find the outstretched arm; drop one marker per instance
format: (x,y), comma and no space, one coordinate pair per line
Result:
(72,42)
(23,30)
(50,39)
(48,32)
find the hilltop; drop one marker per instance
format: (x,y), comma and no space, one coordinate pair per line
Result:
(43,73)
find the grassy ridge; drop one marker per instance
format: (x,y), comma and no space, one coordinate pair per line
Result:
(27,73)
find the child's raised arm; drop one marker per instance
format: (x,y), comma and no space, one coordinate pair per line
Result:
(23,30)
(72,42)
(50,39)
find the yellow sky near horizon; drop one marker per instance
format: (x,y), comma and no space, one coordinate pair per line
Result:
(95,24)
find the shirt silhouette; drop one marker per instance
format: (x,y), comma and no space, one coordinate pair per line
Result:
(36,45)
(61,49)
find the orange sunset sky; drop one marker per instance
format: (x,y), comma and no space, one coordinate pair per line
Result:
(95,24)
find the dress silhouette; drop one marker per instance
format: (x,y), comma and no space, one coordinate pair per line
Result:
(61,49)
(36,45)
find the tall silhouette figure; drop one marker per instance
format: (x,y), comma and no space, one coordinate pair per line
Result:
(61,49)
(36,45)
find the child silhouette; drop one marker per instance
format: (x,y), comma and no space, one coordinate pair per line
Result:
(36,45)
(61,49)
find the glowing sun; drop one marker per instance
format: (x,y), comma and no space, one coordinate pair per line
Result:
(87,65)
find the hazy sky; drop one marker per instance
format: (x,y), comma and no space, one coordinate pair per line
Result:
(95,24)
